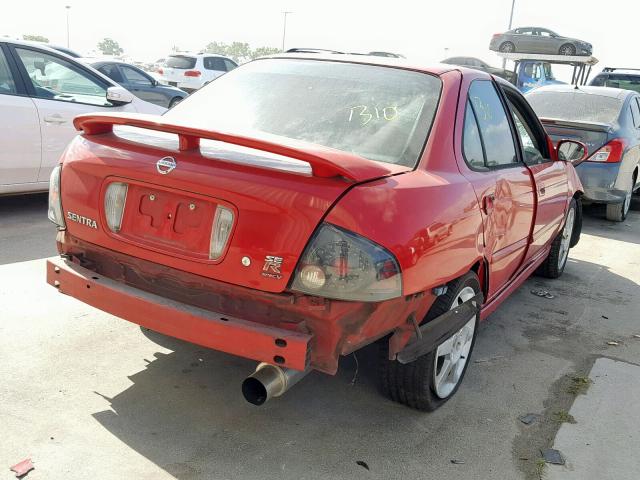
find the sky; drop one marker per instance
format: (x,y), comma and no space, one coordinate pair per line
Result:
(424,32)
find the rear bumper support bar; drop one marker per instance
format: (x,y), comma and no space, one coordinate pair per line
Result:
(441,328)
(213,330)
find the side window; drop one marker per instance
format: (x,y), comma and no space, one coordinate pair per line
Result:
(493,123)
(530,148)
(112,72)
(471,142)
(57,79)
(7,85)
(134,77)
(229,64)
(214,63)
(599,81)
(635,112)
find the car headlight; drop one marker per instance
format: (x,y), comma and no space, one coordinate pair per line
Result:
(342,265)
(55,202)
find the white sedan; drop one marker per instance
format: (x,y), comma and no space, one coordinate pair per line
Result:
(41,91)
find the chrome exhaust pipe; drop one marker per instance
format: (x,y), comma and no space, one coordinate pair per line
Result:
(269,381)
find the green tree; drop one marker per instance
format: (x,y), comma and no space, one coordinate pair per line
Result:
(108,46)
(263,51)
(218,48)
(35,38)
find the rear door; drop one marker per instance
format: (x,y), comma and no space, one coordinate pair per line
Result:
(501,181)
(214,67)
(20,142)
(61,90)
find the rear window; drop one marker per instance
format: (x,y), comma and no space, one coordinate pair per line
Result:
(626,82)
(379,113)
(575,106)
(181,61)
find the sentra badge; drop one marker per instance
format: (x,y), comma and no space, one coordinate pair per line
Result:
(166,165)
(272,266)
(86,221)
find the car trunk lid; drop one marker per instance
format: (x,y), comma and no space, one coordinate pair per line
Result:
(277,190)
(593,135)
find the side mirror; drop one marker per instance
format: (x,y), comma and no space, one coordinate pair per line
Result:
(572,151)
(119,95)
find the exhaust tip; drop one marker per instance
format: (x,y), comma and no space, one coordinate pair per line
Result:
(254,391)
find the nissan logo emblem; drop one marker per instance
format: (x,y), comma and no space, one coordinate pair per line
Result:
(166,165)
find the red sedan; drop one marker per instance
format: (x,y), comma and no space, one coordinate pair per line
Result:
(304,206)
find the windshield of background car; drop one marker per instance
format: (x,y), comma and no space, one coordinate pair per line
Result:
(379,113)
(181,61)
(575,106)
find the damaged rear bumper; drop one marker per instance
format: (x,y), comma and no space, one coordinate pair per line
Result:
(221,332)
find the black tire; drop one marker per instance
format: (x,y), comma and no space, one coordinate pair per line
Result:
(507,47)
(554,264)
(174,101)
(577,227)
(617,212)
(567,49)
(413,384)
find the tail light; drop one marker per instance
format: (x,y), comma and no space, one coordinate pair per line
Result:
(55,213)
(343,265)
(610,153)
(496,35)
(192,73)
(222,225)
(160,71)
(114,201)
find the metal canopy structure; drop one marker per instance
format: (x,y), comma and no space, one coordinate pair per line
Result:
(581,64)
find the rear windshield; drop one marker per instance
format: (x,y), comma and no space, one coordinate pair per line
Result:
(379,113)
(627,82)
(181,61)
(575,106)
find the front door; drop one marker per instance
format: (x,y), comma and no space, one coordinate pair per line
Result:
(20,141)
(142,85)
(550,177)
(61,90)
(502,182)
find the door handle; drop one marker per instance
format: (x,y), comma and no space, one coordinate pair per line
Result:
(542,190)
(55,119)
(488,202)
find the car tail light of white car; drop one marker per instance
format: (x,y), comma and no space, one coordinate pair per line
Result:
(610,153)
(55,213)
(222,225)
(192,73)
(114,202)
(343,265)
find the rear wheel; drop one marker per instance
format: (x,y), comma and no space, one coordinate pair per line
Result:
(432,379)
(567,49)
(617,212)
(555,262)
(507,47)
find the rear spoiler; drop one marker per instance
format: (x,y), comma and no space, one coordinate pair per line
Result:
(592,126)
(325,162)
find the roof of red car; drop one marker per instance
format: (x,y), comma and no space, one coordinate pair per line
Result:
(437,69)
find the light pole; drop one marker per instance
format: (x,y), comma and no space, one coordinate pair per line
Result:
(284,28)
(513,4)
(68,7)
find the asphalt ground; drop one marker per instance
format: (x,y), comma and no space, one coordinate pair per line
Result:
(87,395)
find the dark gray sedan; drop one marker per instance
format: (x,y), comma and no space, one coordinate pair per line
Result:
(140,83)
(607,121)
(477,64)
(538,40)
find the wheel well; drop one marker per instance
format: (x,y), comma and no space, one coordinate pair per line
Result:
(568,44)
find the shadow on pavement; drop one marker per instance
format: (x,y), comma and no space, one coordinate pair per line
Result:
(185,411)
(596,224)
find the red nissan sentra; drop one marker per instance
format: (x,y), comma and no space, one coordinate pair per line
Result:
(303,206)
